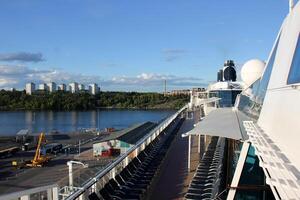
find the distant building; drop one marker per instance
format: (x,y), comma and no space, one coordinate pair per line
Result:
(43,86)
(198,89)
(94,89)
(185,92)
(179,92)
(22,135)
(69,88)
(51,87)
(30,88)
(81,87)
(62,87)
(73,87)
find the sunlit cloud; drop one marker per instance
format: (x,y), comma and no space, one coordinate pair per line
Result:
(17,76)
(173,54)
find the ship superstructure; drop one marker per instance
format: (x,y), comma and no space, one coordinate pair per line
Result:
(261,129)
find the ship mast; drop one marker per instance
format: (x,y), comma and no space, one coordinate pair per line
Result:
(291,5)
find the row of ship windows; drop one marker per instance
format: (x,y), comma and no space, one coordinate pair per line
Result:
(294,74)
(260,86)
(251,104)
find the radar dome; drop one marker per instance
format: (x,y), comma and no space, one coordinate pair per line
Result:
(252,70)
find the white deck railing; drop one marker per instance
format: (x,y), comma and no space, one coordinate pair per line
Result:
(140,145)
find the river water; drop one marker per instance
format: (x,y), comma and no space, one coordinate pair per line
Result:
(37,121)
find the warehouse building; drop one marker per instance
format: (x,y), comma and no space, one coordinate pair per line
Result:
(120,141)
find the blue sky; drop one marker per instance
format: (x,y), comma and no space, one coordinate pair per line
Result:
(132,44)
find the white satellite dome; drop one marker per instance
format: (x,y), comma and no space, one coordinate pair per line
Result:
(252,70)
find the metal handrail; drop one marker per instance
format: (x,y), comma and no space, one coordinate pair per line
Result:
(112,165)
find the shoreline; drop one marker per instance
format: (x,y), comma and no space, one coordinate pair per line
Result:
(96,108)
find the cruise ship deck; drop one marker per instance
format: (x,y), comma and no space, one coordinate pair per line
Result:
(174,177)
(235,140)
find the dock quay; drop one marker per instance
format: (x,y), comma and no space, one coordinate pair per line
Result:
(53,182)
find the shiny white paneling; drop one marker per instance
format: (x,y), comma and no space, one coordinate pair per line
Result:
(280,115)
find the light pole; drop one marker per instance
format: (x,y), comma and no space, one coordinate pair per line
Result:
(70,164)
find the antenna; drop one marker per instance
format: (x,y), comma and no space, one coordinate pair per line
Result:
(165,87)
(291,5)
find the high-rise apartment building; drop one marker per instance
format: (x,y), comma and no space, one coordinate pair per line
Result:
(62,87)
(43,86)
(30,88)
(73,87)
(94,89)
(81,87)
(51,87)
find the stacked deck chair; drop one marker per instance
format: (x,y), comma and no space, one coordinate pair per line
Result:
(208,178)
(134,180)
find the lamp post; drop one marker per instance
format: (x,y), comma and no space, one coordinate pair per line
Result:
(70,164)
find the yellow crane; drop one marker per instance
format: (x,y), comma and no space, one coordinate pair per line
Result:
(39,160)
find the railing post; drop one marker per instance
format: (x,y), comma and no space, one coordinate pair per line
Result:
(49,193)
(126,161)
(189,154)
(55,193)
(113,173)
(199,142)
(94,187)
(82,196)
(205,140)
(143,145)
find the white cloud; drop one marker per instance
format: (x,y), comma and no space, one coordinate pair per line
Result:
(7,81)
(173,54)
(108,65)
(17,76)
(152,79)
